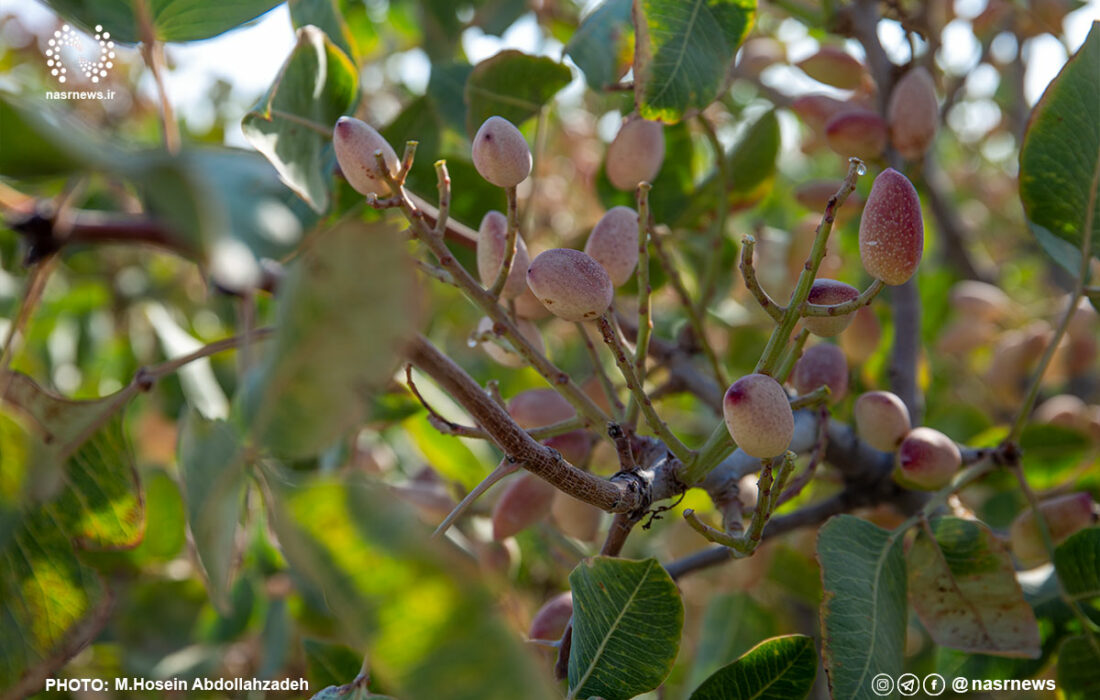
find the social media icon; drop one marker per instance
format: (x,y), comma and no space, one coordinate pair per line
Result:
(960,685)
(934,684)
(908,684)
(882,685)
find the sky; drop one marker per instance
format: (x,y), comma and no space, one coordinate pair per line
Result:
(248,58)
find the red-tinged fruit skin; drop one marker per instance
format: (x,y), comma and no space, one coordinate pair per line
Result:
(355,143)
(862,337)
(492,243)
(758,53)
(826,292)
(636,154)
(570,284)
(856,132)
(537,408)
(882,419)
(835,67)
(575,518)
(505,357)
(971,299)
(913,113)
(926,460)
(550,620)
(758,416)
(500,153)
(815,111)
(527,305)
(574,446)
(1064,515)
(526,501)
(891,229)
(822,365)
(613,243)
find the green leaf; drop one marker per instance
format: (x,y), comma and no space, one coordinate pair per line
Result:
(220,199)
(963,587)
(69,463)
(512,85)
(212,465)
(732,623)
(51,605)
(452,457)
(43,141)
(1079,667)
(1060,155)
(431,628)
(325,15)
(751,161)
(617,603)
(342,310)
(292,124)
(79,459)
(447,90)
(328,663)
(864,611)
(782,668)
(597,45)
(1077,561)
(173,20)
(683,53)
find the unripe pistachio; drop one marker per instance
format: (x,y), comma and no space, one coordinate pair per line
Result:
(575,518)
(1065,410)
(822,365)
(636,154)
(550,621)
(492,244)
(574,446)
(537,408)
(500,153)
(882,419)
(1064,515)
(974,300)
(526,501)
(527,305)
(355,143)
(833,66)
(856,132)
(570,284)
(613,243)
(828,292)
(913,113)
(758,416)
(862,337)
(758,53)
(891,230)
(502,355)
(965,334)
(815,111)
(926,460)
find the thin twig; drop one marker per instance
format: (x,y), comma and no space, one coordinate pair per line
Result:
(610,333)
(748,273)
(509,245)
(782,333)
(600,372)
(502,470)
(694,320)
(645,291)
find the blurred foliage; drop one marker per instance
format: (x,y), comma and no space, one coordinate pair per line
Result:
(265,513)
